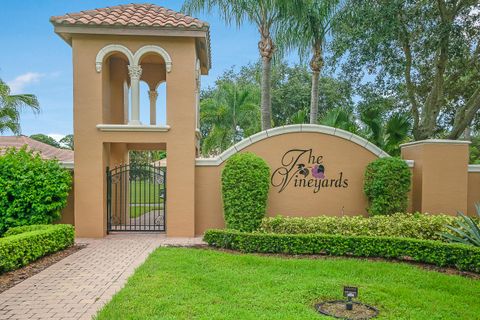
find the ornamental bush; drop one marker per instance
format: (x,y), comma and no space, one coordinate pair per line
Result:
(386,184)
(417,226)
(442,254)
(22,245)
(32,190)
(245,183)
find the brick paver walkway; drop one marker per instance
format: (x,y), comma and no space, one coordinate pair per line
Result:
(79,285)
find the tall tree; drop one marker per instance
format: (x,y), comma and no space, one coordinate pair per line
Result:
(11,106)
(291,90)
(228,114)
(46,139)
(67,142)
(307,31)
(424,53)
(265,14)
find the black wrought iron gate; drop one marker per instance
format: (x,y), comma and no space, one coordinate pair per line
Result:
(136,198)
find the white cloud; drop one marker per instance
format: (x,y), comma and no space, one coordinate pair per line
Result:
(56,136)
(18,84)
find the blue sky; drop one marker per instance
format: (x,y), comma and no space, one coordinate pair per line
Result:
(33,59)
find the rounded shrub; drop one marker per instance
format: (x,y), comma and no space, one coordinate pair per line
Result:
(245,183)
(386,184)
(32,190)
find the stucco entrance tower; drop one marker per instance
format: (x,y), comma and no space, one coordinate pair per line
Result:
(114,49)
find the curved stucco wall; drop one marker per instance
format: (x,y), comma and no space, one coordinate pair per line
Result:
(344,157)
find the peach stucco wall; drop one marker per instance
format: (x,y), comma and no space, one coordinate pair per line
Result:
(440,176)
(96,99)
(340,156)
(473,191)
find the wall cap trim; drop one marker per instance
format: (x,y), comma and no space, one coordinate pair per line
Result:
(312,128)
(474,168)
(410,163)
(66,164)
(432,141)
(131,128)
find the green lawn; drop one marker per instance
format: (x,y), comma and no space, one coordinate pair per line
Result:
(180,283)
(144,192)
(136,211)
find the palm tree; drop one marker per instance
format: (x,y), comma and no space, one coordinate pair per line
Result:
(299,117)
(230,114)
(307,31)
(11,106)
(341,118)
(265,14)
(385,131)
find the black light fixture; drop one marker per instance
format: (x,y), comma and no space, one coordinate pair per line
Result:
(350,293)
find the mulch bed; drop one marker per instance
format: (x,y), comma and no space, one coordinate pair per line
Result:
(12,278)
(447,270)
(337,310)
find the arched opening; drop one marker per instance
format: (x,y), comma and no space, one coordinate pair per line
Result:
(153,89)
(116,88)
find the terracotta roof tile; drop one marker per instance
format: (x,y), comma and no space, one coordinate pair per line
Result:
(46,151)
(134,15)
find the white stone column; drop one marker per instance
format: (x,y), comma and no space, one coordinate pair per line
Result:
(126,107)
(153,94)
(135,73)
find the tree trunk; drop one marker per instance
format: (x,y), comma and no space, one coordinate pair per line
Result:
(266,102)
(316,65)
(314,98)
(266,48)
(465,115)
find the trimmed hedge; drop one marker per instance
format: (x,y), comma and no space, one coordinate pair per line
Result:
(406,225)
(386,185)
(245,183)
(438,253)
(17,230)
(23,245)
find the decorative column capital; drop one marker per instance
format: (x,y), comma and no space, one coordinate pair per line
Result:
(153,94)
(135,72)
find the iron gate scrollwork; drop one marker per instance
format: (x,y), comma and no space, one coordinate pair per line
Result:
(136,197)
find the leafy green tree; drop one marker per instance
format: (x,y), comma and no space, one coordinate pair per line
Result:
(32,190)
(10,107)
(265,15)
(424,54)
(307,31)
(229,114)
(67,142)
(146,157)
(46,139)
(291,89)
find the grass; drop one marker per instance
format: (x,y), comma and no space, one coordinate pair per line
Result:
(180,283)
(137,211)
(145,192)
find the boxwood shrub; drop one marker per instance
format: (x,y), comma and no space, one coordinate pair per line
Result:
(386,185)
(245,183)
(34,227)
(23,245)
(32,190)
(418,225)
(438,253)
